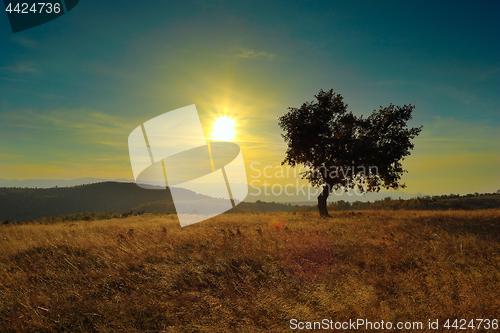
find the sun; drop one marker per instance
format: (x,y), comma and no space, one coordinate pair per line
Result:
(224,129)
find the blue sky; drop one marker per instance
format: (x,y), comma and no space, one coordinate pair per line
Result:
(73,89)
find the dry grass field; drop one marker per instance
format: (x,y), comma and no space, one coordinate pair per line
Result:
(250,272)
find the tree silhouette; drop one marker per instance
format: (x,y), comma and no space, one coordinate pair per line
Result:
(342,151)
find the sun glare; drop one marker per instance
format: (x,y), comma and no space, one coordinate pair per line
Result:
(224,129)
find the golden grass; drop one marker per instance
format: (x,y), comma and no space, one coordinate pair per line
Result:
(249,272)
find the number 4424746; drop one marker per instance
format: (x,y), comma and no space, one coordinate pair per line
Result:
(36,8)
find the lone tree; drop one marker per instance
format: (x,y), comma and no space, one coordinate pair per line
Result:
(342,151)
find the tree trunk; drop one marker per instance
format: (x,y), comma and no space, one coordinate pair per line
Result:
(323,209)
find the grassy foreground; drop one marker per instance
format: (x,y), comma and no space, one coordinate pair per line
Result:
(249,272)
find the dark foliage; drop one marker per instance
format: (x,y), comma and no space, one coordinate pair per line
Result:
(22,204)
(342,150)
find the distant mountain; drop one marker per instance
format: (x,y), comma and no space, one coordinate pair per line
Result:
(21,204)
(300,196)
(48,183)
(24,204)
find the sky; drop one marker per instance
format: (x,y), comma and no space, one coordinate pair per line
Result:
(73,89)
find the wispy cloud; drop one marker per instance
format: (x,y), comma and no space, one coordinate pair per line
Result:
(64,143)
(390,83)
(449,135)
(86,122)
(462,96)
(251,54)
(65,170)
(26,42)
(9,156)
(431,88)
(6,78)
(52,97)
(486,74)
(85,125)
(454,156)
(20,68)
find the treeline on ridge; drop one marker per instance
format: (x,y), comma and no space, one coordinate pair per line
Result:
(112,200)
(24,204)
(440,202)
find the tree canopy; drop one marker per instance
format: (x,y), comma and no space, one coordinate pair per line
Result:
(341,150)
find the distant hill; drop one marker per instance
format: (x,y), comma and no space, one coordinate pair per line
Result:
(22,204)
(25,204)
(301,196)
(442,202)
(166,206)
(48,183)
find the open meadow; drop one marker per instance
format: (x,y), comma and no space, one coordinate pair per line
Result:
(250,272)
